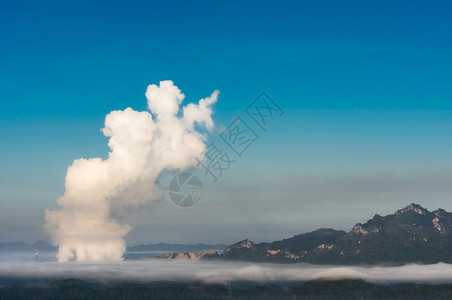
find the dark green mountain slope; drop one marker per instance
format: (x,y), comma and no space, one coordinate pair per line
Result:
(411,234)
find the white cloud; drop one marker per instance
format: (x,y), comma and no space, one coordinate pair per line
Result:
(142,146)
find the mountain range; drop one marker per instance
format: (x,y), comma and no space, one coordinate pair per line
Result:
(410,235)
(22,246)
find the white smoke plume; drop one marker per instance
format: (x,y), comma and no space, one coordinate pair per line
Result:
(143,144)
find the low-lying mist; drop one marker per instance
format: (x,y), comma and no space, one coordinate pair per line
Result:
(15,266)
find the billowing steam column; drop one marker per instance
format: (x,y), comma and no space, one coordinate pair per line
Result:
(142,144)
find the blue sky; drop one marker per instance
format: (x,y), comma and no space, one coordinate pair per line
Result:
(365,87)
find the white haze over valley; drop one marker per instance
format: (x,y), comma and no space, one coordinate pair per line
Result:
(22,266)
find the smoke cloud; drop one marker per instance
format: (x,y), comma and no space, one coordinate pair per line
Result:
(143,144)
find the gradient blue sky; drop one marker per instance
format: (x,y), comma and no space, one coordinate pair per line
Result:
(365,86)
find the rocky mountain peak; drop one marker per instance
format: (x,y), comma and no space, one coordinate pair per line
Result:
(414,208)
(245,244)
(365,229)
(440,212)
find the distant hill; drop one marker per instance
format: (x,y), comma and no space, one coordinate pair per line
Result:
(411,234)
(163,247)
(176,247)
(22,246)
